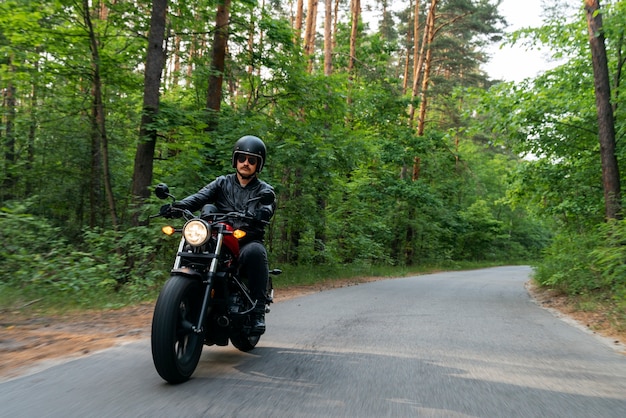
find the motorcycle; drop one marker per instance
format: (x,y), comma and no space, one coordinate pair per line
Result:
(204,302)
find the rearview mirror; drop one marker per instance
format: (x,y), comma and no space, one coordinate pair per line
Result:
(162,191)
(267,197)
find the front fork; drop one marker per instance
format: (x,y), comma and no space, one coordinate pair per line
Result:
(207,292)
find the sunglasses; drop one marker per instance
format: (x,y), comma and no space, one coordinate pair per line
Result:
(241,158)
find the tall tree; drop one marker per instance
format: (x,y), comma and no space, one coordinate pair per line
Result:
(429,37)
(99,140)
(606,121)
(410,37)
(155,61)
(311,30)
(355,10)
(218,62)
(418,56)
(335,23)
(9,102)
(297,24)
(328,37)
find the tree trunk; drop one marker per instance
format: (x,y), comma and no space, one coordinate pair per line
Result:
(155,61)
(297,25)
(606,121)
(32,133)
(407,59)
(418,61)
(10,153)
(416,44)
(251,33)
(430,31)
(355,8)
(309,34)
(100,146)
(177,66)
(621,61)
(328,37)
(335,24)
(218,60)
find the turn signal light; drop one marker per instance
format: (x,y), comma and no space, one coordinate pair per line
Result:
(239,234)
(168,230)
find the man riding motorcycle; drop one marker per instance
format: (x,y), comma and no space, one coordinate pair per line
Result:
(232,193)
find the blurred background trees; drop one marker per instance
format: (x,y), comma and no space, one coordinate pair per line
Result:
(387,142)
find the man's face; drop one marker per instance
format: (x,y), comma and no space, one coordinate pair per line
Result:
(246,165)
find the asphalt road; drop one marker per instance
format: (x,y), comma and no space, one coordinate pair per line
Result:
(460,344)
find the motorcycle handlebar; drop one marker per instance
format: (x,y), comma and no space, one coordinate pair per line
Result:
(237,215)
(266,198)
(188,215)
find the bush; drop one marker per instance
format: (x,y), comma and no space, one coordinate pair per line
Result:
(587,262)
(29,246)
(37,261)
(566,263)
(609,258)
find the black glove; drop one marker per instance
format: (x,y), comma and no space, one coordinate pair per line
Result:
(262,215)
(168,211)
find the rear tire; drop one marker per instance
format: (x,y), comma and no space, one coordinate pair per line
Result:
(245,342)
(176,348)
(241,338)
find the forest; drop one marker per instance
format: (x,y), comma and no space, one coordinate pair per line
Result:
(388,144)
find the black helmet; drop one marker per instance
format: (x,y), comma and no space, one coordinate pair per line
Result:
(250,145)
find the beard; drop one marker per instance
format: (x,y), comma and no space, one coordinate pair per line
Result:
(246,176)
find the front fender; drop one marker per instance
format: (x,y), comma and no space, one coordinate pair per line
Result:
(187,272)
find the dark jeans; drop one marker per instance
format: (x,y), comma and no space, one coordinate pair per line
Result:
(253,266)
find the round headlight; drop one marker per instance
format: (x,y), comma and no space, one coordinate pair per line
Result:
(196,232)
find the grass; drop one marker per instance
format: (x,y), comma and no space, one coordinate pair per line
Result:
(48,301)
(611,311)
(44,301)
(601,311)
(311,275)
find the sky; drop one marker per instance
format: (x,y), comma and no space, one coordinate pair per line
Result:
(517,63)
(506,63)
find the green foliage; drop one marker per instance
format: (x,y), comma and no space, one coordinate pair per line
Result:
(482,233)
(609,259)
(587,262)
(326,275)
(27,242)
(37,258)
(551,120)
(566,263)
(356,185)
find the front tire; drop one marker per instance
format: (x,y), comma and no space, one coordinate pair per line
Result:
(176,348)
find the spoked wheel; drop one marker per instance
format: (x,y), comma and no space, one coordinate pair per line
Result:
(176,347)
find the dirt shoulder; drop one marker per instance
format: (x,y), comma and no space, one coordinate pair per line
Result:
(32,343)
(29,343)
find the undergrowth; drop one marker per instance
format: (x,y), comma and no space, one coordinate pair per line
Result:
(49,300)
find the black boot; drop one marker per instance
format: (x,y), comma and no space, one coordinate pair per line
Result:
(258,321)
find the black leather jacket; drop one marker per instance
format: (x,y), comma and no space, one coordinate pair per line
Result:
(228,195)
